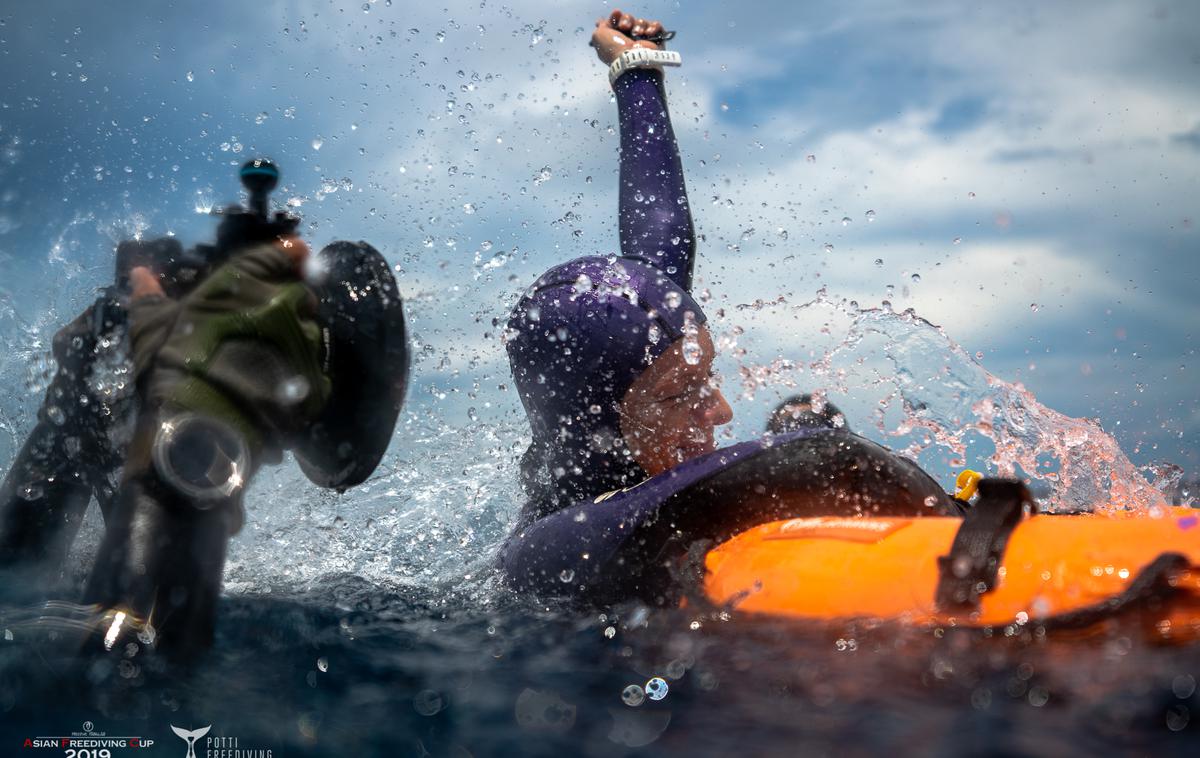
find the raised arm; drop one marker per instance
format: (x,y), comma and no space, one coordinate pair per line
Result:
(655,221)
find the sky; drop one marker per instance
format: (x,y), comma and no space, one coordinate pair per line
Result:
(1022,174)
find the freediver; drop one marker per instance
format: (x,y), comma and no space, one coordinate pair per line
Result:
(612,359)
(261,351)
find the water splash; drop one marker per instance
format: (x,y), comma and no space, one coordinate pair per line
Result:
(933,401)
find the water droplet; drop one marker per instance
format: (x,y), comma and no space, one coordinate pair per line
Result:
(191,77)
(845,221)
(724,106)
(293,390)
(657,688)
(916,278)
(1034,307)
(870,216)
(322,664)
(56,415)
(828,247)
(317,142)
(673,299)
(957,240)
(468,208)
(633,696)
(427,702)
(610,632)
(566,576)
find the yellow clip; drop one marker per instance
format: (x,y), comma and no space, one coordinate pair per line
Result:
(967,483)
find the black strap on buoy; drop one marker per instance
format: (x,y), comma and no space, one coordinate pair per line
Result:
(1153,583)
(970,569)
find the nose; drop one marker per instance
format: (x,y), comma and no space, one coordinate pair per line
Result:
(718,411)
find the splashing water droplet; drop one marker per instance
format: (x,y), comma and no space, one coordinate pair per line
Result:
(633,695)
(657,688)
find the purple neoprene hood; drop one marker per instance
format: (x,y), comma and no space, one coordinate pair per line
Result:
(578,339)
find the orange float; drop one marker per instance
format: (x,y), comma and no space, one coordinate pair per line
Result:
(1055,572)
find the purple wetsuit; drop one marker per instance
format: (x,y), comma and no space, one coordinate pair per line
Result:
(587,329)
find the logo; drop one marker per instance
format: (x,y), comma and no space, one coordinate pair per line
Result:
(216,746)
(89,742)
(191,737)
(833,528)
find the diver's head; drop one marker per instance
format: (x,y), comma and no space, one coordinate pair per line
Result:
(669,413)
(579,340)
(805,412)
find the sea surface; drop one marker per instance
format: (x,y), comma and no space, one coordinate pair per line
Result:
(351,668)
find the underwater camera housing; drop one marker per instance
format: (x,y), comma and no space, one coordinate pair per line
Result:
(181,270)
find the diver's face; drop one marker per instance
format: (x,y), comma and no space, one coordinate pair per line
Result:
(669,413)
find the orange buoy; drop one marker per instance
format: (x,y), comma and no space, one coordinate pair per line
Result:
(1069,571)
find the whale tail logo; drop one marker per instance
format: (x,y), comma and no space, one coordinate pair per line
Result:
(191,737)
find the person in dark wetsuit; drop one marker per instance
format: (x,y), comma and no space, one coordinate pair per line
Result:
(613,364)
(611,356)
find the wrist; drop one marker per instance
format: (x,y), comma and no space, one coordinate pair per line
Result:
(642,58)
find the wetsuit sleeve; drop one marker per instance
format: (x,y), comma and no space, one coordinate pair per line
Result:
(655,221)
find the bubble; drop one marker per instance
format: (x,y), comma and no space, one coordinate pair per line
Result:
(427,702)
(32,491)
(56,415)
(633,696)
(566,576)
(322,664)
(656,688)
